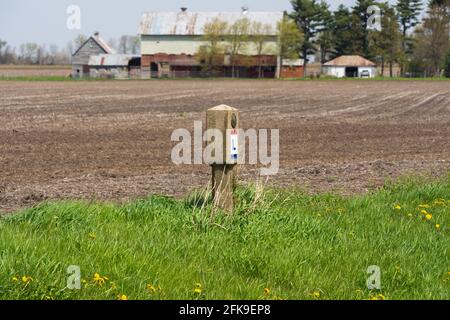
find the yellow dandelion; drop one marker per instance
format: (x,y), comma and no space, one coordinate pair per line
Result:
(438,226)
(26,279)
(439,202)
(316,294)
(198,291)
(151,288)
(398,207)
(378,297)
(428,217)
(198,288)
(266,291)
(99,280)
(122,297)
(15,279)
(424,212)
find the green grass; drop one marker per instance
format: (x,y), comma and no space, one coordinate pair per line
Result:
(289,242)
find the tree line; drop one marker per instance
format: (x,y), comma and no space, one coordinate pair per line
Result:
(413,35)
(42,54)
(232,41)
(410,34)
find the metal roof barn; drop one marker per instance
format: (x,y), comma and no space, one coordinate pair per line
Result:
(111,59)
(186,23)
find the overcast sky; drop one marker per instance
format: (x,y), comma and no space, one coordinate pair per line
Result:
(44,21)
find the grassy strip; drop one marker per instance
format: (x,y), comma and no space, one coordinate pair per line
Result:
(278,245)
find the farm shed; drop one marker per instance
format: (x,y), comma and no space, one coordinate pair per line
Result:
(118,66)
(292,69)
(171,40)
(350,67)
(80,59)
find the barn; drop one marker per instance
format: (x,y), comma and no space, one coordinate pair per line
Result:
(350,67)
(114,66)
(80,59)
(171,40)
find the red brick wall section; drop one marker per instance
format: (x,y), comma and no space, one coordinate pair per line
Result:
(292,72)
(146,60)
(183,59)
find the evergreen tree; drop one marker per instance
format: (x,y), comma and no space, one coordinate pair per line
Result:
(343,38)
(408,12)
(325,37)
(360,28)
(309,17)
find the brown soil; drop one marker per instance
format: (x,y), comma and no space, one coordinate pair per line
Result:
(111,140)
(34,71)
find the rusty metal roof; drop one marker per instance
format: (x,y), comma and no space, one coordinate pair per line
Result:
(293,63)
(193,23)
(102,43)
(350,61)
(111,59)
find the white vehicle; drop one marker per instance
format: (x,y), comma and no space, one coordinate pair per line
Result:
(365,74)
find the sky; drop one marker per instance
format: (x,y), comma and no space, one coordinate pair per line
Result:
(45,21)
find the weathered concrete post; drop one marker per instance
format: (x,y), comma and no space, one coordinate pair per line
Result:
(225,120)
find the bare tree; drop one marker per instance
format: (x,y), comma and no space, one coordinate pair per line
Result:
(238,36)
(28,53)
(209,55)
(113,44)
(432,40)
(260,33)
(123,44)
(3,44)
(128,44)
(135,45)
(78,42)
